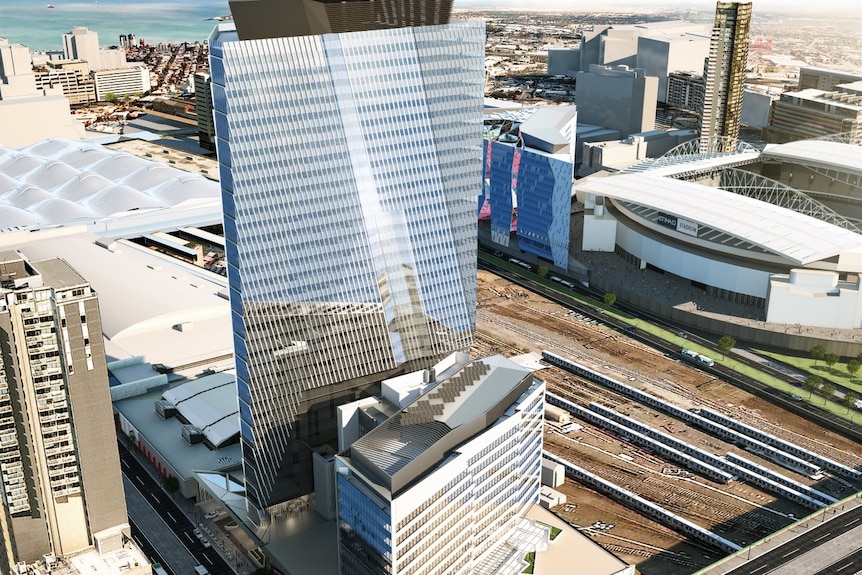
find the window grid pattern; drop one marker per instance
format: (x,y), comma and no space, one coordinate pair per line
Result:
(350,165)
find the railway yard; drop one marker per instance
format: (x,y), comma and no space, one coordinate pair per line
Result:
(512,320)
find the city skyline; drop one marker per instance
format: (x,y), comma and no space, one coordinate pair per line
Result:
(41,28)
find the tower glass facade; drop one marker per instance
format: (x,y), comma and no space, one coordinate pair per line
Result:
(350,165)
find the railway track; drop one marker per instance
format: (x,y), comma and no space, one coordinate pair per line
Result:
(813,413)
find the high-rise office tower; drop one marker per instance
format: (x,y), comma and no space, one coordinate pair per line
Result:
(350,166)
(724,77)
(59,469)
(438,487)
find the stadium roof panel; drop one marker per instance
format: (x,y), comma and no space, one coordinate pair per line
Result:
(797,237)
(819,154)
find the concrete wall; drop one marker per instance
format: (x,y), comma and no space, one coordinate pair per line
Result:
(756,107)
(564,61)
(786,337)
(706,270)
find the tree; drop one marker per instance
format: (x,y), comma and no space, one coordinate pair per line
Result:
(171,485)
(812,384)
(542,271)
(725,344)
(110,97)
(610,299)
(850,399)
(830,359)
(853,366)
(818,352)
(828,390)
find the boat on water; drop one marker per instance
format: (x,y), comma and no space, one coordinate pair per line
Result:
(50,6)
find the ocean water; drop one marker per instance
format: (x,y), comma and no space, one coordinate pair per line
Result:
(32,23)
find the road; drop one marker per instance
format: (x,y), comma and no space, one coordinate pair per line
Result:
(800,545)
(172,539)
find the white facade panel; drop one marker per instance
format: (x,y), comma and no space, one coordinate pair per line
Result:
(814,298)
(695,267)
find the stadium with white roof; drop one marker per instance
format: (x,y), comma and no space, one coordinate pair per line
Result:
(721,223)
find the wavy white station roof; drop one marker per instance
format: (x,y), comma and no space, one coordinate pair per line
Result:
(57,182)
(820,153)
(797,237)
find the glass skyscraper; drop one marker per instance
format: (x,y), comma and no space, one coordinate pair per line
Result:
(350,165)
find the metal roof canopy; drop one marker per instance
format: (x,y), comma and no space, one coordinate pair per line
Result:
(796,237)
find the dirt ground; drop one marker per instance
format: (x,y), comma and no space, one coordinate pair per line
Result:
(512,321)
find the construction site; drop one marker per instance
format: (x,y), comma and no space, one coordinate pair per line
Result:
(667,435)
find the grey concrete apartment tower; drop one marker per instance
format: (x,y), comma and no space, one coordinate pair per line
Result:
(59,466)
(724,77)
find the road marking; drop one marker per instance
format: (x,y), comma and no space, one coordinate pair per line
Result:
(761,567)
(822,537)
(123,461)
(791,553)
(208,560)
(852,522)
(138,477)
(189,537)
(156,499)
(846,566)
(172,517)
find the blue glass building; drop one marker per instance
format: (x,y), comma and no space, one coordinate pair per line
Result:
(349,167)
(528,170)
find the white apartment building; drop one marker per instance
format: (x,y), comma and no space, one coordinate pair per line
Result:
(122,81)
(441,486)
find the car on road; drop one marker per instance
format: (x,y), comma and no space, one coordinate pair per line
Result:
(211,514)
(198,534)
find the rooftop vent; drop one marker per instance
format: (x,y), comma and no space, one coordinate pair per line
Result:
(165,409)
(192,434)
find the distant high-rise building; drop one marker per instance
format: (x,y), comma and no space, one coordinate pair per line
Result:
(350,165)
(724,76)
(440,486)
(204,110)
(82,44)
(60,470)
(685,91)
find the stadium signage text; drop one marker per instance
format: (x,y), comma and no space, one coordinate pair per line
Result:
(676,223)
